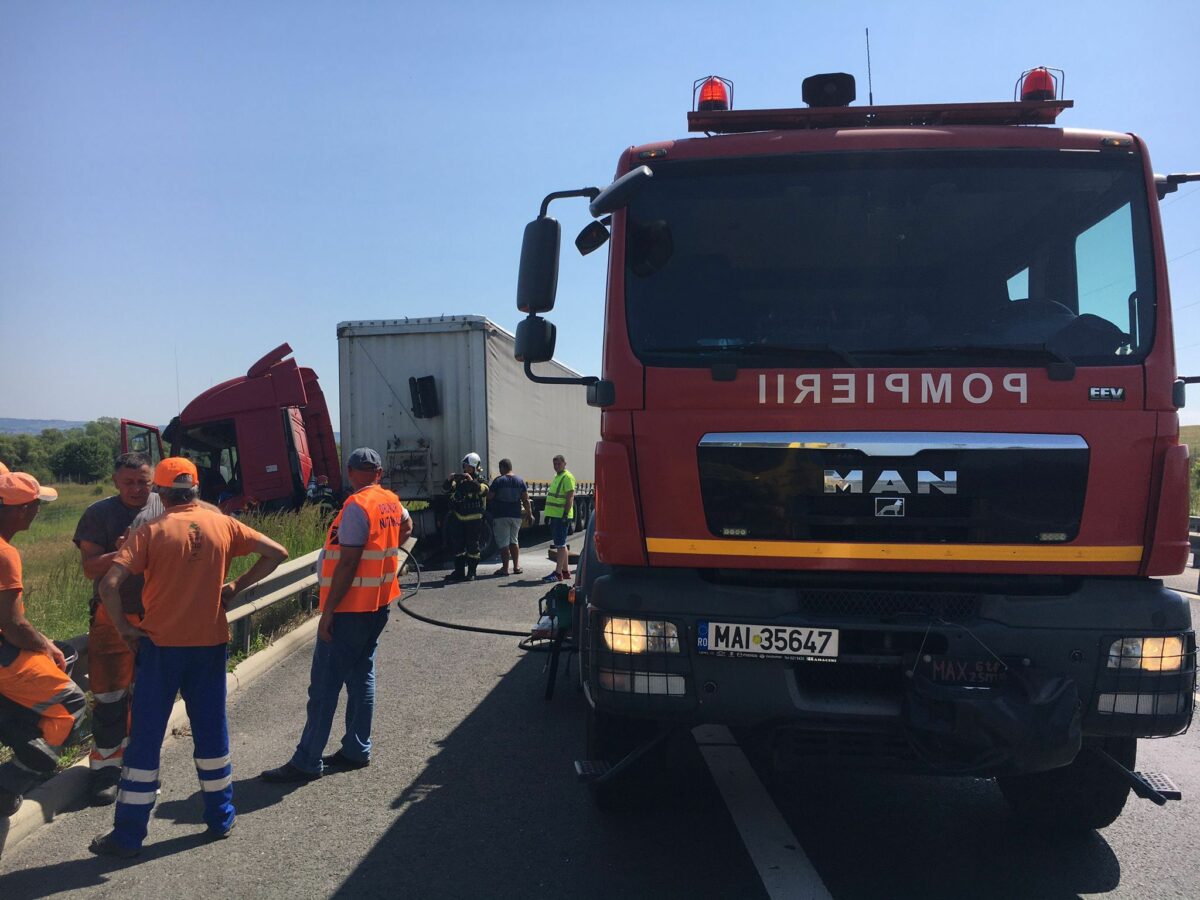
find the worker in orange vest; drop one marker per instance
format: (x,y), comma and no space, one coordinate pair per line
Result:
(359,566)
(40,706)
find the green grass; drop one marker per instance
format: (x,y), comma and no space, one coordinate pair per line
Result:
(56,591)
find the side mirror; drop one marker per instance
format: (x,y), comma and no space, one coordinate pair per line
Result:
(617,195)
(593,237)
(537,282)
(535,340)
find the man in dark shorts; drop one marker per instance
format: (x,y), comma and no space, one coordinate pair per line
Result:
(508,503)
(560,513)
(100,533)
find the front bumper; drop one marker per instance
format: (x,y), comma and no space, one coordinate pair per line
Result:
(893,634)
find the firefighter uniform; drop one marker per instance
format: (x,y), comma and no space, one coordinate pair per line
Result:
(466,497)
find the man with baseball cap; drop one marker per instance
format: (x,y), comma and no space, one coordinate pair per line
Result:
(40,706)
(180,645)
(359,566)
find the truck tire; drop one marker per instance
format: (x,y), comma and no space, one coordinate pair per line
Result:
(1083,796)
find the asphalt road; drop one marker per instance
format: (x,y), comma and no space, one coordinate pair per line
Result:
(471,793)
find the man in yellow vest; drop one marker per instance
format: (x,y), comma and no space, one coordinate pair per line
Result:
(560,513)
(359,567)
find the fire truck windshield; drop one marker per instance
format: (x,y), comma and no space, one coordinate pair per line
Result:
(903,257)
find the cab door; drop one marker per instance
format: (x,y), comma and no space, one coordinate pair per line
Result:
(137,437)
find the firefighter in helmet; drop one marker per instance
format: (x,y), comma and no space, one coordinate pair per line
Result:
(466,495)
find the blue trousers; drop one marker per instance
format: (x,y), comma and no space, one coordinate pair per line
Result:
(349,659)
(198,674)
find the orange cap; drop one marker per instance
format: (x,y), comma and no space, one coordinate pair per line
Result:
(176,472)
(19,488)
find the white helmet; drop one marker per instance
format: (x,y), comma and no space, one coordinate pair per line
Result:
(472,460)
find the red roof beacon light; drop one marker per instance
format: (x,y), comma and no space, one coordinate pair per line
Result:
(1041,83)
(712,93)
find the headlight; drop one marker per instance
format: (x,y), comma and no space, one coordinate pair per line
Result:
(1150,654)
(639,635)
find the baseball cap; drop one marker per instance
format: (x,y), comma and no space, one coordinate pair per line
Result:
(19,488)
(364,458)
(176,472)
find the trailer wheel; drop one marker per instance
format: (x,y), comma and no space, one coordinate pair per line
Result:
(1080,797)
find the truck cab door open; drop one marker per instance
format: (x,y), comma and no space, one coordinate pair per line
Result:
(137,437)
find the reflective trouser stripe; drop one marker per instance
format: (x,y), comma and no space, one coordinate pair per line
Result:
(218,784)
(139,775)
(209,765)
(110,696)
(136,798)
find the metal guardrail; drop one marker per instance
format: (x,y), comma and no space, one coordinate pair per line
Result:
(286,581)
(291,578)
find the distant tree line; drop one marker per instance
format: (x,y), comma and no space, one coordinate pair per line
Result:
(78,454)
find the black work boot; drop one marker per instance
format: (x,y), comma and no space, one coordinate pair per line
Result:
(471,567)
(459,573)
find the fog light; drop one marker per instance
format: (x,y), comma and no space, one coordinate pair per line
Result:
(639,635)
(642,682)
(1150,654)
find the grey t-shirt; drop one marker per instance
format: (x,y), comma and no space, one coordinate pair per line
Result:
(103,523)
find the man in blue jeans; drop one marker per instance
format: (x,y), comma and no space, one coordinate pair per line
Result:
(359,565)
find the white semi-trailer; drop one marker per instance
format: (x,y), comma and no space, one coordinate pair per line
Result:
(425,392)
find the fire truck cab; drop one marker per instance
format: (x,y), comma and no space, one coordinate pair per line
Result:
(890,457)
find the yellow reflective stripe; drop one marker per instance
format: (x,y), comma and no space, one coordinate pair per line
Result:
(381,554)
(956,552)
(366,554)
(364,582)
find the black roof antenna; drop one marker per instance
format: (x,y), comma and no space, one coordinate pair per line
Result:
(870,86)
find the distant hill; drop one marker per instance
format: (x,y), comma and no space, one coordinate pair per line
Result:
(35,426)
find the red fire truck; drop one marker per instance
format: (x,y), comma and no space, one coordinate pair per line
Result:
(890,460)
(263,439)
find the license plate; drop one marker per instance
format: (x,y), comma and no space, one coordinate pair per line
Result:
(767,641)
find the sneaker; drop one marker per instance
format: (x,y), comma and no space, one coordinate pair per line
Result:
(102,786)
(9,803)
(289,774)
(107,845)
(340,760)
(551,578)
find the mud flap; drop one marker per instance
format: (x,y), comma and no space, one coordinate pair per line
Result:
(1029,722)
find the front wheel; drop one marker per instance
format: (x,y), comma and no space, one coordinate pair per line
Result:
(1085,795)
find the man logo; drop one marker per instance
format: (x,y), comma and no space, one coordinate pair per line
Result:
(885,506)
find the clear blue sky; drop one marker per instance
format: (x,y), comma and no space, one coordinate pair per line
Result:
(207,180)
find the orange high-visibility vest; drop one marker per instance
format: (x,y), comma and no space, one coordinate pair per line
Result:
(374,585)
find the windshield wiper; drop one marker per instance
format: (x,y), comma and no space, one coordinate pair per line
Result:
(734,348)
(1058,366)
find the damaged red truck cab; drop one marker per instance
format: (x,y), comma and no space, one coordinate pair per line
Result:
(258,440)
(890,458)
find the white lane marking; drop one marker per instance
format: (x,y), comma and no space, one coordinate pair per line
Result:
(781,862)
